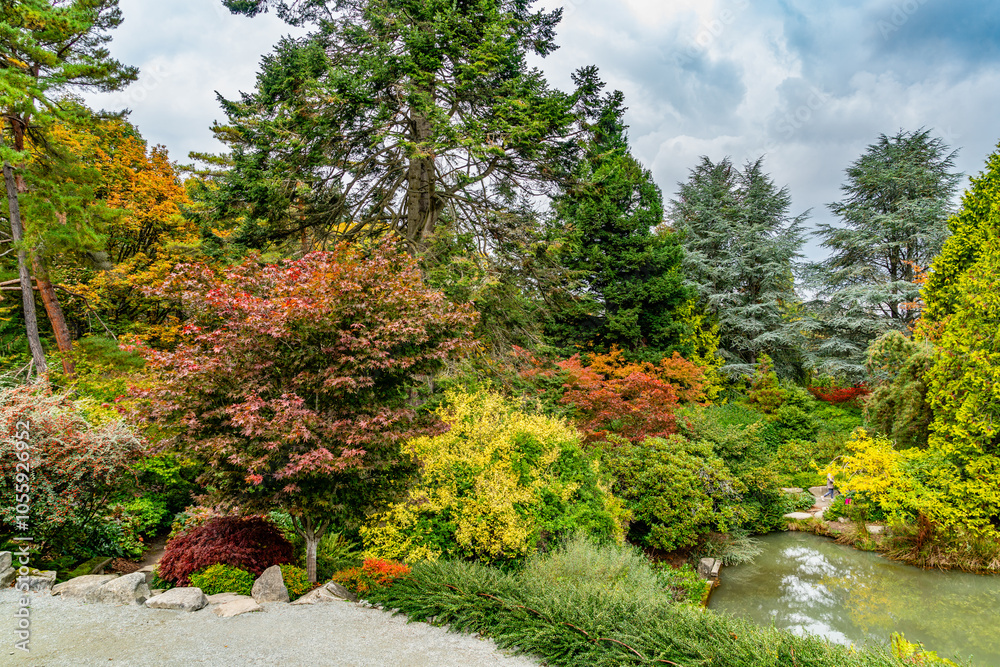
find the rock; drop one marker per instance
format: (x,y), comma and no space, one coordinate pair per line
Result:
(799,516)
(128,589)
(79,587)
(875,529)
(320,594)
(818,491)
(792,489)
(180,599)
(38,580)
(7,577)
(222,598)
(270,587)
(6,560)
(340,591)
(705,567)
(148,571)
(819,514)
(843,519)
(232,608)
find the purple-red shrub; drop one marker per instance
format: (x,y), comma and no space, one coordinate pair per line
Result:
(249,543)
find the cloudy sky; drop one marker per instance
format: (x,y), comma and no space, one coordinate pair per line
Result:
(807,84)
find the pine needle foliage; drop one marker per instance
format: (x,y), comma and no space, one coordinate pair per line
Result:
(567,620)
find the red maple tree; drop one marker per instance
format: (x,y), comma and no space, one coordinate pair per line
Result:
(290,382)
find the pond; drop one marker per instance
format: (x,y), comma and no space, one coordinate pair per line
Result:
(810,584)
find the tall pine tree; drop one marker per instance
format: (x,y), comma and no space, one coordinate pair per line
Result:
(630,277)
(395,116)
(893,222)
(740,246)
(46,49)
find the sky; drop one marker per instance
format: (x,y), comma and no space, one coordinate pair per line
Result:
(807,85)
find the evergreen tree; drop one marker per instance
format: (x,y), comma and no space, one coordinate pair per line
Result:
(395,116)
(631,277)
(972,227)
(897,199)
(47,48)
(740,248)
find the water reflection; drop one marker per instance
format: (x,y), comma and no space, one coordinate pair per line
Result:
(809,584)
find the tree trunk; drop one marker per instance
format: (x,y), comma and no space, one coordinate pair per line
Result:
(27,293)
(63,338)
(311,533)
(422,205)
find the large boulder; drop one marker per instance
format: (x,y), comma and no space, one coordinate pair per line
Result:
(244,605)
(128,589)
(270,587)
(6,560)
(78,587)
(180,599)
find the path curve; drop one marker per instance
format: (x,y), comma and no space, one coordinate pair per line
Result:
(71,633)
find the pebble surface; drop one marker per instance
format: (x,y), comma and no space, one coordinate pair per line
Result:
(72,633)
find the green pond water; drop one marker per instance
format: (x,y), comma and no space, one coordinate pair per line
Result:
(809,584)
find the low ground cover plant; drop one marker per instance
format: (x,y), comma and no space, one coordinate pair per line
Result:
(561,609)
(220,578)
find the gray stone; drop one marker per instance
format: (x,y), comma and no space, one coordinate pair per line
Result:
(38,580)
(6,560)
(340,591)
(79,587)
(7,577)
(148,571)
(705,567)
(180,599)
(875,529)
(819,514)
(799,516)
(818,491)
(222,598)
(270,587)
(236,607)
(129,589)
(318,595)
(792,489)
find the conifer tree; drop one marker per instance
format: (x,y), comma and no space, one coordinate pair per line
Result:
(631,277)
(740,246)
(395,116)
(897,199)
(46,49)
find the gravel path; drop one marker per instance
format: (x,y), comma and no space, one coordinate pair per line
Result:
(68,632)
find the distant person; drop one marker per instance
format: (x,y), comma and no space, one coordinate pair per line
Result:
(831,490)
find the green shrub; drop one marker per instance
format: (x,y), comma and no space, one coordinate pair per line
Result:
(836,509)
(677,490)
(220,578)
(150,514)
(794,423)
(495,487)
(296,581)
(683,582)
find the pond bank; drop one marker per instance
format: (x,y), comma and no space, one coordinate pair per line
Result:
(810,584)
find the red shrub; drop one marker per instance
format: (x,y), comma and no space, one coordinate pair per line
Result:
(374,574)
(636,407)
(249,543)
(838,395)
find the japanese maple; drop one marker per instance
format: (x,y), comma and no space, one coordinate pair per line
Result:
(290,381)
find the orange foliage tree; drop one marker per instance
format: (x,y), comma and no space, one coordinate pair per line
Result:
(610,395)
